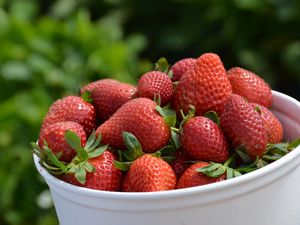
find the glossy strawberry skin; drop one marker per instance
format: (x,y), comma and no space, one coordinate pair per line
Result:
(205,85)
(272,124)
(148,174)
(72,108)
(192,178)
(106,176)
(155,84)
(109,95)
(91,86)
(180,67)
(140,118)
(244,126)
(203,140)
(54,133)
(250,86)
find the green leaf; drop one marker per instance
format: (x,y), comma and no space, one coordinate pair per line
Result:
(53,159)
(167,150)
(97,151)
(80,175)
(87,96)
(168,159)
(213,170)
(123,166)
(241,151)
(272,157)
(88,167)
(236,173)
(218,172)
(279,148)
(294,144)
(36,150)
(74,141)
(175,139)
(168,114)
(95,144)
(213,116)
(229,173)
(90,141)
(133,145)
(162,65)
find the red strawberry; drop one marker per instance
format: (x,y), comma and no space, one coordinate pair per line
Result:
(191,177)
(180,164)
(272,124)
(106,176)
(72,108)
(155,84)
(203,140)
(109,95)
(149,173)
(244,126)
(91,86)
(250,86)
(140,118)
(205,85)
(180,67)
(54,133)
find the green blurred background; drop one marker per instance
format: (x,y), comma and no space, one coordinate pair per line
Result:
(49,48)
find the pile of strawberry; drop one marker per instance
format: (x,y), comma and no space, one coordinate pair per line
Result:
(184,125)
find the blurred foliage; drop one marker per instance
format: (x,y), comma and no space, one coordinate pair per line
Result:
(49,48)
(43,57)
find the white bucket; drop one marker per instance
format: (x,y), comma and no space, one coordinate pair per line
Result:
(268,196)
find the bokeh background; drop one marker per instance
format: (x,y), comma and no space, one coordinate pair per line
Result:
(49,48)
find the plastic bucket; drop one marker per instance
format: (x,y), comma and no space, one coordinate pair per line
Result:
(268,196)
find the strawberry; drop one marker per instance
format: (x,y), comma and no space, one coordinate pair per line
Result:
(72,108)
(105,177)
(108,95)
(205,85)
(272,124)
(180,67)
(250,86)
(91,86)
(191,177)
(138,116)
(180,163)
(149,173)
(203,140)
(244,126)
(154,85)
(53,136)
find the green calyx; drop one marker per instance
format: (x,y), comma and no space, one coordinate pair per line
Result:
(215,170)
(168,114)
(87,96)
(185,118)
(213,116)
(127,156)
(134,151)
(79,165)
(162,65)
(233,169)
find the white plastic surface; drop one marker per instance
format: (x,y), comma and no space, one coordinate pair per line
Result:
(268,196)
